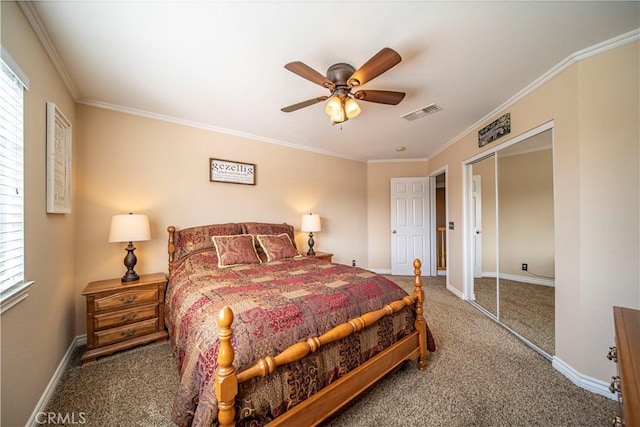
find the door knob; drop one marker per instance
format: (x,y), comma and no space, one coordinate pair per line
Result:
(394,231)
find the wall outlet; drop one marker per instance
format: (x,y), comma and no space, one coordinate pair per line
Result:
(525,267)
(353,262)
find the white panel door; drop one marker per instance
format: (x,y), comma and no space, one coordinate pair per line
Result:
(410,225)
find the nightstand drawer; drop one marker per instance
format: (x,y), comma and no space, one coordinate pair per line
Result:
(126,298)
(126,332)
(124,317)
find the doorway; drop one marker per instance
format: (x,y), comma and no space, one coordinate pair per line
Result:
(509,233)
(439,215)
(410,237)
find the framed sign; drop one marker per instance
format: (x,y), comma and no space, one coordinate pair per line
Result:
(58,161)
(494,130)
(232,172)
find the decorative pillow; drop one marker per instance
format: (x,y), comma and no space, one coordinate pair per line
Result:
(264,228)
(277,247)
(235,250)
(194,239)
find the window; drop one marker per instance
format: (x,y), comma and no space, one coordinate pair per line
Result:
(13,287)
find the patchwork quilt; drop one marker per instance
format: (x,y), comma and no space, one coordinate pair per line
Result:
(275,304)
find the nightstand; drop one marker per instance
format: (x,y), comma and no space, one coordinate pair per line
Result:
(124,315)
(325,256)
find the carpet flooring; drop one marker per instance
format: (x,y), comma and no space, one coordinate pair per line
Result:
(480,375)
(527,309)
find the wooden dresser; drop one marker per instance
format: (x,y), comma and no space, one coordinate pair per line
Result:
(626,354)
(123,315)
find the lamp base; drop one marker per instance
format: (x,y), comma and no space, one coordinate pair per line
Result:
(311,252)
(130,276)
(130,261)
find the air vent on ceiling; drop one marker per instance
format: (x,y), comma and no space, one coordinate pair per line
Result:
(421,112)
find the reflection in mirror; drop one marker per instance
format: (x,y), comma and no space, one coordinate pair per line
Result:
(483,220)
(526,236)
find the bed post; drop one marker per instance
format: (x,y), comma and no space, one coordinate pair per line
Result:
(171,245)
(421,323)
(226,381)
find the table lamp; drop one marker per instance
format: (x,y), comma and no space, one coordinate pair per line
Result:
(310,223)
(129,228)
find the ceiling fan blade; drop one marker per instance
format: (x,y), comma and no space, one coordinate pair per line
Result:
(303,104)
(378,64)
(380,96)
(304,71)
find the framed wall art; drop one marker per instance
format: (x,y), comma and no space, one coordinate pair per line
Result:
(232,172)
(58,161)
(494,130)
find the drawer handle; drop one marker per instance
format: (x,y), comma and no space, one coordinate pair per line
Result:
(128,332)
(615,385)
(128,317)
(129,298)
(613,354)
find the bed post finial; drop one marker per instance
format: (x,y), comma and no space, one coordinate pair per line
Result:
(171,246)
(421,323)
(226,381)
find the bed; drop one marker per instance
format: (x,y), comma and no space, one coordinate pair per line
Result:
(263,335)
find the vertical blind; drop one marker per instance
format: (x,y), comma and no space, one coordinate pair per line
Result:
(11,179)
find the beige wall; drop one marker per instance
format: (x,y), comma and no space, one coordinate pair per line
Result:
(128,163)
(37,332)
(379,207)
(608,194)
(594,106)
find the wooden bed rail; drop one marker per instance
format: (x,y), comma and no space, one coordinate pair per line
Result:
(227,380)
(299,350)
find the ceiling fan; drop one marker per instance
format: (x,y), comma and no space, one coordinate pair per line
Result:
(341,78)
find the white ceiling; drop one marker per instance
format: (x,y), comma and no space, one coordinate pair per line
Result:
(220,65)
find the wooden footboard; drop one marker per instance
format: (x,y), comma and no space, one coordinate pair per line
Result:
(333,397)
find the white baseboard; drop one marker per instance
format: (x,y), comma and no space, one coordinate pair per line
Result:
(588,383)
(455,291)
(379,270)
(528,279)
(57,375)
(519,278)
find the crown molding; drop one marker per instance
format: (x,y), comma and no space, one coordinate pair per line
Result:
(33,18)
(572,59)
(417,160)
(198,125)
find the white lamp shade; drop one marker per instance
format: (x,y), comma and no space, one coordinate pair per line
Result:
(129,228)
(311,223)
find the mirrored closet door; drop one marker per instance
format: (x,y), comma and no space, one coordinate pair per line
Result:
(510,200)
(483,220)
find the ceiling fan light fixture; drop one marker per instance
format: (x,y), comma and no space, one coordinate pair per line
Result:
(352,108)
(335,109)
(341,107)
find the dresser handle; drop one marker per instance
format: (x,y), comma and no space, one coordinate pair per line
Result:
(617,422)
(129,298)
(613,354)
(615,385)
(128,332)
(128,317)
